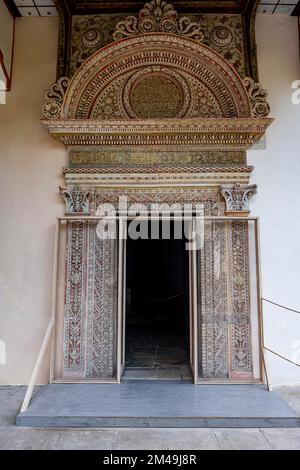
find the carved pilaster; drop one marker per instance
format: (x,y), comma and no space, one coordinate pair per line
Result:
(237,199)
(77,202)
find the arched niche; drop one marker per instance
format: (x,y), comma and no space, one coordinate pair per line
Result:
(152,76)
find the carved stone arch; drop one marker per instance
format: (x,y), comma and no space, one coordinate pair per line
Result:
(157,75)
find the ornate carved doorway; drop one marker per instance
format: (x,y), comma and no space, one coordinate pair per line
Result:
(157,117)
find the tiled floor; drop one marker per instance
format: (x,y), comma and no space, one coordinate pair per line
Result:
(12,437)
(155,350)
(158,373)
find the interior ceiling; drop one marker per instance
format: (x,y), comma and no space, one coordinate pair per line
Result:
(136,5)
(76,7)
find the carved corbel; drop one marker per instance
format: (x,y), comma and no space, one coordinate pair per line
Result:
(258,98)
(54,98)
(77,202)
(237,199)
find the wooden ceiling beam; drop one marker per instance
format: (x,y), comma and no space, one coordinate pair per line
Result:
(296,11)
(77,7)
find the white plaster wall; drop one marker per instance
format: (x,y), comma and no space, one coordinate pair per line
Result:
(30,172)
(277,173)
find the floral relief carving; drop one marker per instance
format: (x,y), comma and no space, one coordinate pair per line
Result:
(223,33)
(209,198)
(157,16)
(90,303)
(212,312)
(258,98)
(54,98)
(101,305)
(119,80)
(224,308)
(75,298)
(89,34)
(239,284)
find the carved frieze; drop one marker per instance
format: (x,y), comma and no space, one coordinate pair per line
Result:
(210,198)
(129,158)
(159,135)
(150,176)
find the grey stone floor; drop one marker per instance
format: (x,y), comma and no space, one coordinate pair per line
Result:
(180,372)
(12,437)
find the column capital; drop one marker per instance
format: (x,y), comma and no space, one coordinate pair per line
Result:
(77,201)
(237,199)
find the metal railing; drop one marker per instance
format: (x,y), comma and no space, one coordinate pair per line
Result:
(265,348)
(37,366)
(281,306)
(48,335)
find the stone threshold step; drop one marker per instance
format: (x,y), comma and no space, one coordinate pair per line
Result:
(155,422)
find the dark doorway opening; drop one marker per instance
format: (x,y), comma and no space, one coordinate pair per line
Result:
(157,307)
